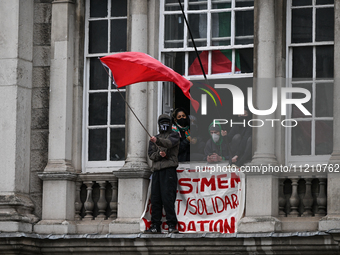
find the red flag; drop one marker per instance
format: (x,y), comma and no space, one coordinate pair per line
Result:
(133,67)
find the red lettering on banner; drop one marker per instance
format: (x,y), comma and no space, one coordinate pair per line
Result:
(147,224)
(202,222)
(227,202)
(220,182)
(186,208)
(191,226)
(212,201)
(205,207)
(211,226)
(235,200)
(182,182)
(197,180)
(210,182)
(180,170)
(178,205)
(229,228)
(219,211)
(181,226)
(198,206)
(193,213)
(220,222)
(234,178)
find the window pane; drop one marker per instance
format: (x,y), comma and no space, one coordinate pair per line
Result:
(323,137)
(98,8)
(303,62)
(198,4)
(301,2)
(117,108)
(301,25)
(173,5)
(118,8)
(98,76)
(324,2)
(97,144)
(221,61)
(244,27)
(118,35)
(244,60)
(175,61)
(324,62)
(221,27)
(98,36)
(324,100)
(194,64)
(296,113)
(220,4)
(198,27)
(173,31)
(301,139)
(243,3)
(98,109)
(324,24)
(117,144)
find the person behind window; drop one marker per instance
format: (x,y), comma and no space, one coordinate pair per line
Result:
(216,148)
(163,151)
(197,143)
(181,125)
(239,138)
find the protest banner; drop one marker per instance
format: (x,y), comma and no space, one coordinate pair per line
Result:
(207,201)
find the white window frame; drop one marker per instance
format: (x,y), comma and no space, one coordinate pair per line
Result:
(186,49)
(304,159)
(107,165)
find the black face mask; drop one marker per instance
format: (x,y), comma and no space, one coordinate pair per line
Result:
(183,122)
(164,126)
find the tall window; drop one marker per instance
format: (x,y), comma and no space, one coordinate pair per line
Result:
(310,34)
(104,108)
(223,31)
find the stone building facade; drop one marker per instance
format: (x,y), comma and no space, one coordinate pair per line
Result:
(74,172)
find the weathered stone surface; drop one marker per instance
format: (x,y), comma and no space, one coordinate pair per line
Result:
(39,140)
(35,183)
(42,12)
(41,77)
(40,98)
(41,55)
(37,201)
(39,118)
(42,34)
(38,160)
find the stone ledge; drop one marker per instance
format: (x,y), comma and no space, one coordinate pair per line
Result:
(57,176)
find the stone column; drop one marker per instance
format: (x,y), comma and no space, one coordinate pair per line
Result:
(59,186)
(16,33)
(133,176)
(332,219)
(262,190)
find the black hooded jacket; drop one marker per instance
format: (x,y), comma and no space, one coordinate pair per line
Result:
(166,141)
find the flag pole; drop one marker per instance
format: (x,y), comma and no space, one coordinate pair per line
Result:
(126,101)
(199,60)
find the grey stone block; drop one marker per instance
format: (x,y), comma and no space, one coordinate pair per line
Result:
(41,55)
(40,118)
(42,11)
(38,160)
(39,140)
(41,77)
(42,34)
(40,98)
(37,201)
(35,183)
